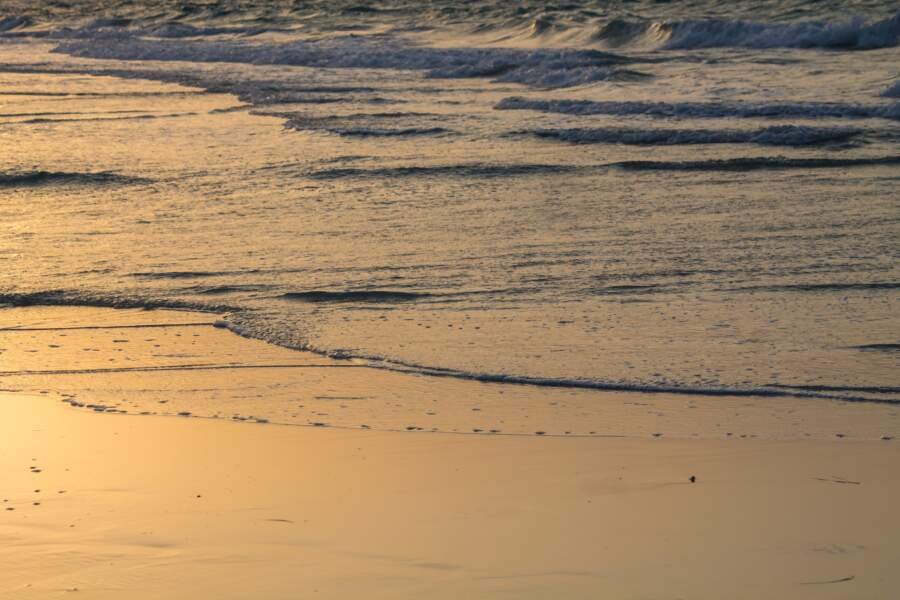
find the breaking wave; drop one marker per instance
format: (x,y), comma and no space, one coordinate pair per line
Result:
(856,33)
(643,24)
(853,34)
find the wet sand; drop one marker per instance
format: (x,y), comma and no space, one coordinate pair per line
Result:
(173,362)
(157,506)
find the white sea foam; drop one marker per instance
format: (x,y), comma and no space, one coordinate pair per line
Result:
(539,68)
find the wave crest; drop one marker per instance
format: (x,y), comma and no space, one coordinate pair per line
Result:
(691,34)
(853,34)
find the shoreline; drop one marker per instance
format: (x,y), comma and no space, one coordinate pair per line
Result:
(184,363)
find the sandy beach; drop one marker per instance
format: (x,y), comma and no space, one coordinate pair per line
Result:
(141,506)
(442,300)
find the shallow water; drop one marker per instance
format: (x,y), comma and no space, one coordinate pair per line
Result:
(643,196)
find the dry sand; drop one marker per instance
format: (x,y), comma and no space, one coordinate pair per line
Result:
(164,507)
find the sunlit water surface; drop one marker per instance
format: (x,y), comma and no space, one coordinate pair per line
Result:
(712,208)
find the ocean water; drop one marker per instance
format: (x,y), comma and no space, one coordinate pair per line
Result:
(686,196)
